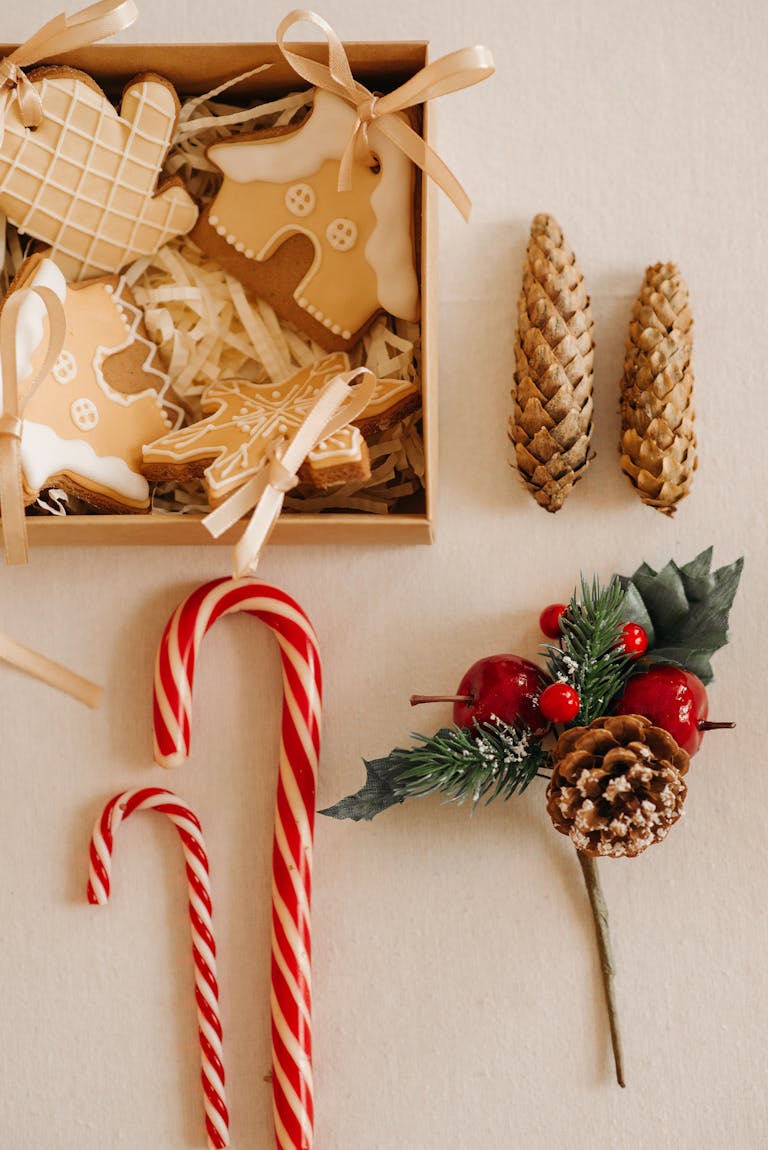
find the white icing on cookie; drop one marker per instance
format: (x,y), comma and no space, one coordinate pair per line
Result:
(44,453)
(297,157)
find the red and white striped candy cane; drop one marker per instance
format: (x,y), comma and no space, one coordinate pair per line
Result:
(203,944)
(291,997)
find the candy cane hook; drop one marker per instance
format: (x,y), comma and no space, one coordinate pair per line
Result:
(203,944)
(291,997)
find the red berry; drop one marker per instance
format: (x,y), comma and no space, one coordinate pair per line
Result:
(549,619)
(672,699)
(505,687)
(634,640)
(559,702)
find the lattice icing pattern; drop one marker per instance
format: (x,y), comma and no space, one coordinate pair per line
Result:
(86,181)
(79,431)
(277,187)
(245,419)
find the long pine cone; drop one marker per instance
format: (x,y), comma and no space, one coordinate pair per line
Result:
(658,441)
(551,426)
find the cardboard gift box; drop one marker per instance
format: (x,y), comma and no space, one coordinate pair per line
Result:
(195,69)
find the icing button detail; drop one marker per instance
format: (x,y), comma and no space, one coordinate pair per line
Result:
(65,368)
(342,234)
(300,199)
(84,414)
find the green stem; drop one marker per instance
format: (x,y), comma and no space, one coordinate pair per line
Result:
(603,933)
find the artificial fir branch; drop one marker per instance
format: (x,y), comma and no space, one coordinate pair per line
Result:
(591,657)
(494,760)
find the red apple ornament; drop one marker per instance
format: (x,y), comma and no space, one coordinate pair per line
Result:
(673,699)
(502,686)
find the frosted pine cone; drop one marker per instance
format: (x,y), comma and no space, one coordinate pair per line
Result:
(658,441)
(551,425)
(617,785)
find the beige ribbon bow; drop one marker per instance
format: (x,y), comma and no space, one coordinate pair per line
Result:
(14,521)
(337,405)
(61,34)
(450,73)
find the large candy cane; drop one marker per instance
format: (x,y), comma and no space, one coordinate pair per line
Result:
(203,944)
(291,997)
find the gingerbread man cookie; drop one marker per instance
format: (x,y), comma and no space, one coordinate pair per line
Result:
(85,425)
(329,261)
(243,419)
(86,180)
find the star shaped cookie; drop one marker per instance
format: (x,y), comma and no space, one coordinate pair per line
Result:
(242,419)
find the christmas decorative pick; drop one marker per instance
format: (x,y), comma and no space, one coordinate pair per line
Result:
(611,721)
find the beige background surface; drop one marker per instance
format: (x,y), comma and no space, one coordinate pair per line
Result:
(456,986)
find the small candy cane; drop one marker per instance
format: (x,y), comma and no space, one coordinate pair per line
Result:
(203,944)
(291,997)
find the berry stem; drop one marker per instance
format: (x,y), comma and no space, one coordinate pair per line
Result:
(705,725)
(416,699)
(603,933)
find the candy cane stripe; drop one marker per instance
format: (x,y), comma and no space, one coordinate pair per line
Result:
(203,944)
(177,656)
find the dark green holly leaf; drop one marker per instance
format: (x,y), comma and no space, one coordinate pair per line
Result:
(376,795)
(684,610)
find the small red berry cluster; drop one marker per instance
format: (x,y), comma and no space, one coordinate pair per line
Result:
(560,702)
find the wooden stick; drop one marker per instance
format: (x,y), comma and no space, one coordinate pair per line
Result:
(602,930)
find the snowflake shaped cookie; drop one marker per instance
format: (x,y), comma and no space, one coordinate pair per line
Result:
(243,419)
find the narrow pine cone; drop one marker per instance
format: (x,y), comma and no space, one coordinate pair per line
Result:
(658,441)
(617,785)
(551,426)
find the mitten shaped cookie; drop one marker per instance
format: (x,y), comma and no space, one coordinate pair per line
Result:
(85,424)
(327,260)
(86,180)
(244,419)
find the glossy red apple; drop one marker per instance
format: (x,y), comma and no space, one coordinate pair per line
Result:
(504,686)
(673,699)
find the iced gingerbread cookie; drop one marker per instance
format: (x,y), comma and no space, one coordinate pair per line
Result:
(86,180)
(328,261)
(243,419)
(85,425)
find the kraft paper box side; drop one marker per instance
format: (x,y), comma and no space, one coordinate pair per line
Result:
(197,68)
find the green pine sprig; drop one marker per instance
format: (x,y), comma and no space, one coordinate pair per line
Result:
(492,761)
(591,657)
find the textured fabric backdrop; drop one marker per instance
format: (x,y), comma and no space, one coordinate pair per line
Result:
(458,1000)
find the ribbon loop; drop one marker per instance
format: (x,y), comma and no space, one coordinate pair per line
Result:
(338,404)
(450,73)
(61,34)
(10,425)
(14,521)
(280,477)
